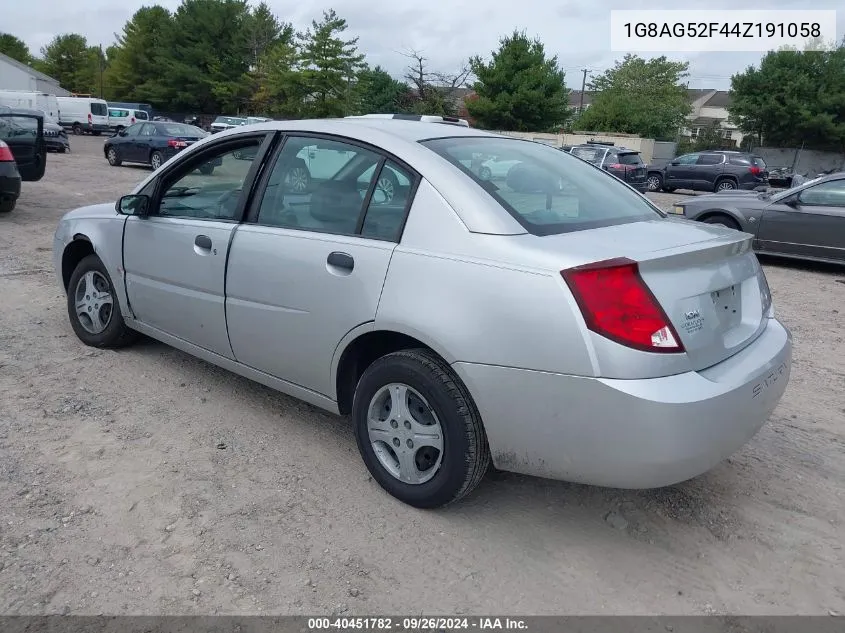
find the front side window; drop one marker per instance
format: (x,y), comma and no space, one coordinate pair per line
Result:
(99,109)
(686,159)
(210,189)
(709,159)
(315,185)
(826,194)
(545,190)
(133,130)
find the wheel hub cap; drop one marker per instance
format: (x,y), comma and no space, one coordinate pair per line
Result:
(405,433)
(94,302)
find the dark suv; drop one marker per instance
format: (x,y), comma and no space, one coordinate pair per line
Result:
(717,170)
(622,162)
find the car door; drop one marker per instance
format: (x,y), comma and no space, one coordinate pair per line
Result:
(175,258)
(680,172)
(141,145)
(24,134)
(706,170)
(809,223)
(124,142)
(309,267)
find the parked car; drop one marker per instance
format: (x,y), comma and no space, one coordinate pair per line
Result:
(31,100)
(781,177)
(84,115)
(805,222)
(122,118)
(622,162)
(577,334)
(226,123)
(10,179)
(22,140)
(152,143)
(55,137)
(717,170)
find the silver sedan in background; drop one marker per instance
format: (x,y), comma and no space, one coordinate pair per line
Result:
(557,323)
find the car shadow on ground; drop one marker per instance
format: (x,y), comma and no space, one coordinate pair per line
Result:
(824,268)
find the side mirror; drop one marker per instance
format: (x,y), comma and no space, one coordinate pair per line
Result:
(134,204)
(791,201)
(675,163)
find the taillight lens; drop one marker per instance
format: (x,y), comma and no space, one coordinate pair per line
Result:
(755,170)
(90,118)
(617,304)
(172,142)
(618,166)
(5,153)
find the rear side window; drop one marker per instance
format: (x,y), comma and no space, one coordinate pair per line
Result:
(547,191)
(631,158)
(709,159)
(590,154)
(740,161)
(99,109)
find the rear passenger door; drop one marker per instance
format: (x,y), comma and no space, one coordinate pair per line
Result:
(308,267)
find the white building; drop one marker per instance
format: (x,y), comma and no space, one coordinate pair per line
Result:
(15,75)
(710,109)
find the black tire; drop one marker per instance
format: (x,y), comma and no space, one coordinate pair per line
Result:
(654,182)
(7,206)
(724,220)
(298,177)
(724,184)
(466,454)
(207,169)
(117,333)
(77,129)
(485,173)
(156,160)
(113,157)
(388,184)
(668,189)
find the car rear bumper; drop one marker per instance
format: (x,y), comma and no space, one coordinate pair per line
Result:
(10,181)
(629,433)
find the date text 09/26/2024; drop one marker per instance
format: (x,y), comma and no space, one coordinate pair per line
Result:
(416,623)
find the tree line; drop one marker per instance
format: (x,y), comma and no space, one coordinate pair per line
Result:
(225,56)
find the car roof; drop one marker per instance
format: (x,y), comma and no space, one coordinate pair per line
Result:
(10,110)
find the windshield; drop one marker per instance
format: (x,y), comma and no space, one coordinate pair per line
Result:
(181,129)
(547,191)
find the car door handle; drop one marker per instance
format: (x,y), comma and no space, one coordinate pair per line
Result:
(341,260)
(203,241)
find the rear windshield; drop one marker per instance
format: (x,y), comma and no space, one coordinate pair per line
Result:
(180,129)
(589,154)
(747,160)
(547,191)
(631,158)
(99,109)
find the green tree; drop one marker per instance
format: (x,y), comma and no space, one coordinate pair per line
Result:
(69,59)
(15,48)
(204,64)
(520,89)
(638,96)
(793,98)
(136,61)
(279,88)
(376,92)
(329,65)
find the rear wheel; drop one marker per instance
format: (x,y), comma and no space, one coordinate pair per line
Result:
(724,220)
(77,129)
(298,178)
(724,184)
(485,173)
(418,430)
(156,160)
(387,184)
(93,308)
(7,206)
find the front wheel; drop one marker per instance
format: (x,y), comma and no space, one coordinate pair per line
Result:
(113,158)
(418,430)
(93,308)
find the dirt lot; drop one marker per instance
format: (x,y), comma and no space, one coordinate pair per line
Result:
(146,482)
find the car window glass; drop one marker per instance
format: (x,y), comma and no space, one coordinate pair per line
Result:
(386,211)
(99,109)
(828,194)
(629,159)
(140,114)
(742,161)
(18,127)
(545,190)
(211,189)
(133,130)
(687,159)
(709,159)
(316,185)
(148,129)
(590,154)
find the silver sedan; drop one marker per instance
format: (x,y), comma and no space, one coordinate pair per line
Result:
(557,324)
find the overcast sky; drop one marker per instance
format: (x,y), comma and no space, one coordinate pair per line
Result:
(445,31)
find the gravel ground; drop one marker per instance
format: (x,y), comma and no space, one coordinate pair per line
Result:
(145,482)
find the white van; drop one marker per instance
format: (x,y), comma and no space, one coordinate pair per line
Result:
(84,114)
(43,101)
(121,118)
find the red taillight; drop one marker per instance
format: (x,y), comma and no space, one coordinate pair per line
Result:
(618,166)
(132,119)
(90,118)
(755,170)
(172,142)
(617,304)
(5,153)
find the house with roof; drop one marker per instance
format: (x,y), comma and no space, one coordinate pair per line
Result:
(710,109)
(15,75)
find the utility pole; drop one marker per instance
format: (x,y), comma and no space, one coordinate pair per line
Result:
(583,86)
(102,64)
